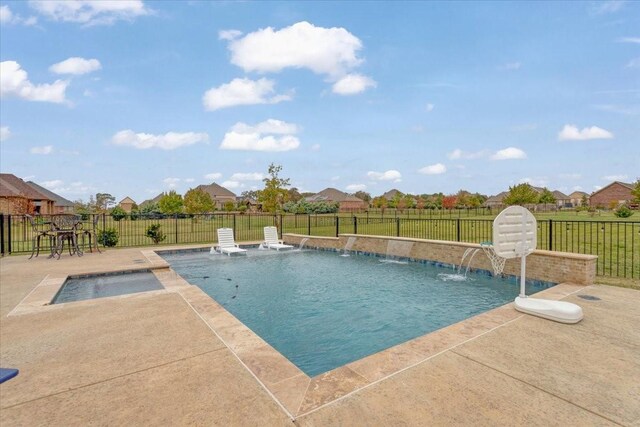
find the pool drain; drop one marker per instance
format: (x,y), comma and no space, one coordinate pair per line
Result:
(589,297)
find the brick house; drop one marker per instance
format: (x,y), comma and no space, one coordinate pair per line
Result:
(17,197)
(219,194)
(617,192)
(346,202)
(60,204)
(127,204)
(576,197)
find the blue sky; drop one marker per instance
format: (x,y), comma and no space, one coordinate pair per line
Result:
(134,98)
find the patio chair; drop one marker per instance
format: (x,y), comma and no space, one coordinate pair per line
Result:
(226,242)
(271,240)
(92,233)
(39,231)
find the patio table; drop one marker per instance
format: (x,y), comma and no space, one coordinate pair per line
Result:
(66,227)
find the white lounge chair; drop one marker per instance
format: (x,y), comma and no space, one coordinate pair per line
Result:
(271,240)
(226,243)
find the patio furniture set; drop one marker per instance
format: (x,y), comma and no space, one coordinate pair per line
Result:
(62,228)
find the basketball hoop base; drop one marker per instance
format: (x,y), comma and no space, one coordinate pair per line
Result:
(559,311)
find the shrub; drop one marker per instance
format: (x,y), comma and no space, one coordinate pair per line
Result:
(154,232)
(623,212)
(118,213)
(108,237)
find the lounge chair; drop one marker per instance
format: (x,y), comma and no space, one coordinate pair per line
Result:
(226,243)
(271,240)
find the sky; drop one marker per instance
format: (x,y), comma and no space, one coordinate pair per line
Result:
(134,98)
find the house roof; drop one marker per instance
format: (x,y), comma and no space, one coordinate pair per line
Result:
(577,194)
(57,199)
(559,195)
(624,184)
(12,186)
(332,195)
(216,191)
(389,195)
(497,198)
(127,200)
(152,201)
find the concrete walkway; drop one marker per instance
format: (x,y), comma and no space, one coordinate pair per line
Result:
(150,359)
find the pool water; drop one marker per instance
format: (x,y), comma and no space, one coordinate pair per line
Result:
(322,310)
(106,285)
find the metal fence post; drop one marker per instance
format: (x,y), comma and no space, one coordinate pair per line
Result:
(550,242)
(355,224)
(458,229)
(337,225)
(397,227)
(176,218)
(2,234)
(281,231)
(308,225)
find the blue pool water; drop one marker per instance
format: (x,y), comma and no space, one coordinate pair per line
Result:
(106,285)
(322,310)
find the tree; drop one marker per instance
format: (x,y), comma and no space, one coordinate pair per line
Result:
(380,203)
(104,200)
(521,194)
(274,193)
(229,206)
(249,194)
(171,203)
(293,195)
(547,197)
(420,202)
(636,192)
(449,202)
(584,201)
(463,199)
(363,195)
(197,201)
(118,213)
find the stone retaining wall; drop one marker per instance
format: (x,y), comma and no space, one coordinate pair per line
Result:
(557,267)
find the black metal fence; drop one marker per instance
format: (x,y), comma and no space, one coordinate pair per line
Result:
(616,243)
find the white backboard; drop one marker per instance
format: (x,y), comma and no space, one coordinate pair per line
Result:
(514,232)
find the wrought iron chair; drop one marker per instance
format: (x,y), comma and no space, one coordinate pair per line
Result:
(92,233)
(39,231)
(65,227)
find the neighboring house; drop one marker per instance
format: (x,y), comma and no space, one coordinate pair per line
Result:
(346,202)
(60,204)
(562,200)
(251,204)
(17,197)
(127,204)
(389,195)
(153,201)
(576,197)
(495,201)
(617,193)
(219,194)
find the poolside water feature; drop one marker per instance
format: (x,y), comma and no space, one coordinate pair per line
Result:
(322,311)
(398,251)
(302,243)
(348,246)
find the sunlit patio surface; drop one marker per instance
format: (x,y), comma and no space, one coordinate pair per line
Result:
(155,358)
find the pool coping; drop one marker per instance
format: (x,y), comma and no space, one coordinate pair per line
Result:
(298,394)
(294,391)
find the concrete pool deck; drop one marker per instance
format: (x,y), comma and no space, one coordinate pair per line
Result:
(155,358)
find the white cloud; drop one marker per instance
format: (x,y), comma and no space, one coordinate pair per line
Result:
(571,133)
(634,63)
(635,40)
(90,12)
(242,92)
(231,184)
(511,66)
(577,188)
(7,17)
(168,141)
(46,149)
(315,147)
(597,187)
(229,34)
(615,177)
(5,133)
(76,66)
(509,153)
(608,6)
(261,137)
(335,178)
(352,188)
(458,154)
(329,51)
(352,84)
(213,176)
(189,180)
(435,169)
(251,176)
(430,107)
(14,81)
(570,176)
(390,175)
(171,182)
(53,184)
(536,182)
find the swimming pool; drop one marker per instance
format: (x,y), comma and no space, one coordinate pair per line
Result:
(321,310)
(90,286)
